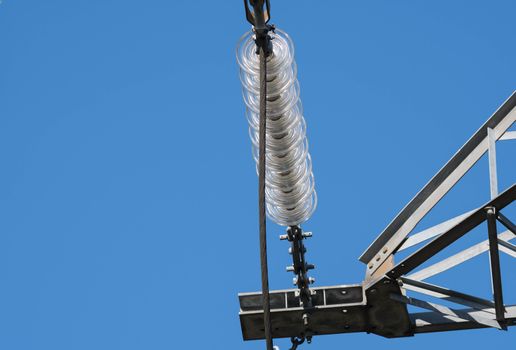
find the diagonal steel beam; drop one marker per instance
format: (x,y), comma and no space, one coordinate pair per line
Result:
(458,258)
(425,322)
(447,294)
(479,317)
(508,246)
(506,222)
(509,135)
(456,232)
(432,231)
(392,237)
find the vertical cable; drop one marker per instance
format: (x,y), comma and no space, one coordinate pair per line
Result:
(261,200)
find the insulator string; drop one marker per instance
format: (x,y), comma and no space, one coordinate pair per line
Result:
(290,188)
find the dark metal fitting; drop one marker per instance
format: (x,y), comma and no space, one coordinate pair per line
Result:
(306,319)
(296,341)
(491,210)
(263,40)
(260,15)
(309,266)
(307,234)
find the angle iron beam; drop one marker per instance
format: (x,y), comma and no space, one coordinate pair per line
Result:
(506,222)
(459,301)
(448,292)
(433,231)
(507,245)
(429,322)
(509,135)
(493,176)
(494,259)
(457,259)
(478,316)
(391,238)
(453,234)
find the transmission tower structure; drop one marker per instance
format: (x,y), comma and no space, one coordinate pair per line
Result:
(287,195)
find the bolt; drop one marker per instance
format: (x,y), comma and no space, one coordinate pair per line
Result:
(311,280)
(345,311)
(290,268)
(305,319)
(283,237)
(343,292)
(307,234)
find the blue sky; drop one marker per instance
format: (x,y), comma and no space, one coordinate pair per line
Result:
(127,188)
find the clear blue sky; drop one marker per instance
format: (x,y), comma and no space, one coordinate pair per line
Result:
(128,214)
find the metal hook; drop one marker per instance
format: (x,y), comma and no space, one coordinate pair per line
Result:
(296,342)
